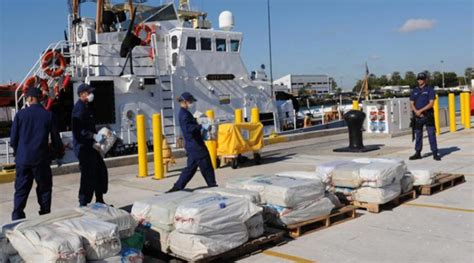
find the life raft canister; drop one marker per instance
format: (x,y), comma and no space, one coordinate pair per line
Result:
(53,63)
(148,31)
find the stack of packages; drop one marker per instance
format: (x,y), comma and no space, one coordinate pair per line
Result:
(90,233)
(288,199)
(200,224)
(372,180)
(423,177)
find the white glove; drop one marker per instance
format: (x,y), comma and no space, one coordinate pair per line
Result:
(99,137)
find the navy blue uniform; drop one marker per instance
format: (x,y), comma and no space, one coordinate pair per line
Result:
(30,133)
(421,97)
(198,155)
(94,175)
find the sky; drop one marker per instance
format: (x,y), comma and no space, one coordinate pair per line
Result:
(335,37)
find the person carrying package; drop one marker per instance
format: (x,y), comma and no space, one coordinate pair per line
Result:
(94,175)
(30,132)
(422,101)
(198,155)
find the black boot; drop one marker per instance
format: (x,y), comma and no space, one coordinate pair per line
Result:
(173,189)
(415,156)
(436,156)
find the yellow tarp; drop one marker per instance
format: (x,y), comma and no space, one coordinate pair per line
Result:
(237,138)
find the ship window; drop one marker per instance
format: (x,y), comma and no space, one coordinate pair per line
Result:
(191,44)
(174,59)
(206,43)
(174,42)
(221,45)
(234,45)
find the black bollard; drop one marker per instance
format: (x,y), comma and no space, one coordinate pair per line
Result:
(355,120)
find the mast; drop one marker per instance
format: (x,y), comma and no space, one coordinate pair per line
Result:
(100,10)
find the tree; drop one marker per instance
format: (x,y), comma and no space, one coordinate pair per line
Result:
(451,79)
(302,91)
(383,81)
(410,79)
(468,73)
(462,81)
(357,86)
(396,79)
(339,90)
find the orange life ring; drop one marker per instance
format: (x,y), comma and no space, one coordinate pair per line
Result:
(148,30)
(49,63)
(34,81)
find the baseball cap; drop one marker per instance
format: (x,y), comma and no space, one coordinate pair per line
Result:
(187,97)
(84,87)
(33,92)
(421,76)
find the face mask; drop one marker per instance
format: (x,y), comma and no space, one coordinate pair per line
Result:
(90,97)
(192,107)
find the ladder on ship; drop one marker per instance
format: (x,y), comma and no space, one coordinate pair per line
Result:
(168,109)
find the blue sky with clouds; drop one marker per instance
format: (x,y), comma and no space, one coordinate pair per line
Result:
(309,36)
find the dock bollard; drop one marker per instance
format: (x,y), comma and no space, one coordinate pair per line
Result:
(212,144)
(452,112)
(238,116)
(142,147)
(436,115)
(255,115)
(461,100)
(467,110)
(158,147)
(355,105)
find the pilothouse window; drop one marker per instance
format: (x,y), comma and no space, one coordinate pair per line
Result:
(221,45)
(234,45)
(174,42)
(191,43)
(206,44)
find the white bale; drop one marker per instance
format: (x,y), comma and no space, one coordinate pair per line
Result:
(347,175)
(211,214)
(252,196)
(423,176)
(48,219)
(324,171)
(255,226)
(195,247)
(407,182)
(379,195)
(380,160)
(125,222)
(382,173)
(285,191)
(47,244)
(101,239)
(127,255)
(305,211)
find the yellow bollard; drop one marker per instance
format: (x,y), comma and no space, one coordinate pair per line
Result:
(355,105)
(238,116)
(212,144)
(467,110)
(436,115)
(461,108)
(452,112)
(158,146)
(255,115)
(141,139)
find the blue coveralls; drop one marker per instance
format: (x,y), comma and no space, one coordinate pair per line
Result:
(198,155)
(421,97)
(94,175)
(29,139)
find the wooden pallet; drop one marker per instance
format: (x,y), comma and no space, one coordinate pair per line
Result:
(442,182)
(376,208)
(338,216)
(272,236)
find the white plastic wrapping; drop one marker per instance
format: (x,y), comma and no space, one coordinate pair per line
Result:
(379,195)
(252,196)
(101,239)
(347,175)
(255,226)
(284,191)
(48,219)
(423,177)
(195,247)
(108,140)
(211,214)
(125,222)
(324,171)
(47,244)
(382,173)
(308,210)
(407,182)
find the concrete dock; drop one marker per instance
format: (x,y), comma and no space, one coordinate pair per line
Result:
(437,228)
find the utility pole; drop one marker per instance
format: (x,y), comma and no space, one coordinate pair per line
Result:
(442,72)
(270,48)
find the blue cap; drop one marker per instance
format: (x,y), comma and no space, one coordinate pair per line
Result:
(187,97)
(421,76)
(84,87)
(33,92)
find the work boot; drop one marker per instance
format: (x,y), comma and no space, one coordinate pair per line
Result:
(436,157)
(173,189)
(415,156)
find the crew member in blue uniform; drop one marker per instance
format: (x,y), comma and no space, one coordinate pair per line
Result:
(198,155)
(94,175)
(422,101)
(30,133)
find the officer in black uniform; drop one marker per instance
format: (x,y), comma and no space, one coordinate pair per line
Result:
(32,128)
(422,101)
(94,175)
(198,155)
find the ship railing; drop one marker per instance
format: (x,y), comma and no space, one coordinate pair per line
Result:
(6,152)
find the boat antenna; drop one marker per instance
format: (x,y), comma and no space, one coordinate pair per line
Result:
(270,48)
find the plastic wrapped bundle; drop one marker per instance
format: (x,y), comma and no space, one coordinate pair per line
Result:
(382,173)
(6,248)
(283,216)
(49,219)
(211,214)
(379,195)
(255,226)
(47,244)
(252,196)
(407,182)
(107,140)
(125,222)
(347,175)
(324,171)
(423,177)
(101,239)
(285,191)
(195,247)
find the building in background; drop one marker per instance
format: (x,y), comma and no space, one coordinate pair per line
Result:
(313,84)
